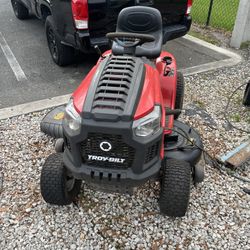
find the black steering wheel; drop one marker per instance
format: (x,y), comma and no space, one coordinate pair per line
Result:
(129,40)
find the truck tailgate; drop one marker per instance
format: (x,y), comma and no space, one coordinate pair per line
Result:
(103,13)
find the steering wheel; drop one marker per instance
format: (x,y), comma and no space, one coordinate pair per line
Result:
(129,40)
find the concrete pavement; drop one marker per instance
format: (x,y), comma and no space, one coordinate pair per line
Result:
(43,79)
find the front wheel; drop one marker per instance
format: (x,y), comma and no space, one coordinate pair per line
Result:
(21,12)
(175,188)
(57,186)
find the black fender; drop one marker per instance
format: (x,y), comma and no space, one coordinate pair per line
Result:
(51,124)
(181,147)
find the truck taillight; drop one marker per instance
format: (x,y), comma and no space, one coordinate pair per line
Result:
(189,7)
(80,13)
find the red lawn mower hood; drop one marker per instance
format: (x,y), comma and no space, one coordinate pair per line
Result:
(118,88)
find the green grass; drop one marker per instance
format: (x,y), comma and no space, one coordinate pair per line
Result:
(223,13)
(245,45)
(200,104)
(203,37)
(236,117)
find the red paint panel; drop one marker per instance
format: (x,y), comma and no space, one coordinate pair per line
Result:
(151,96)
(168,84)
(80,93)
(147,100)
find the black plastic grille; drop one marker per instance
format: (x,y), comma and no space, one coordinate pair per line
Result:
(152,152)
(113,87)
(91,146)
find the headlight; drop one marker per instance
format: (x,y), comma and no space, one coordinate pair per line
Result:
(71,118)
(148,125)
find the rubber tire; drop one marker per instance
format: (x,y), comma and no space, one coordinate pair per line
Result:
(180,88)
(198,173)
(65,54)
(246,98)
(53,182)
(21,11)
(175,188)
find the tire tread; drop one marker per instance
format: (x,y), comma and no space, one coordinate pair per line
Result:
(52,182)
(175,188)
(23,12)
(180,88)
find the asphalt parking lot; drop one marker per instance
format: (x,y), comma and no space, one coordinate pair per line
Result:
(35,76)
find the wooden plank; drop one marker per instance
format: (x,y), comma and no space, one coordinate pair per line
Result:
(238,156)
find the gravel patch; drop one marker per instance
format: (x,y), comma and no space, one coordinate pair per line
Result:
(219,211)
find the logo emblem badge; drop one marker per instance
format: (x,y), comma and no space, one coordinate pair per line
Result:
(105,146)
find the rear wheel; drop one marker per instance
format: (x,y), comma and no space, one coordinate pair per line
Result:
(57,186)
(21,12)
(175,188)
(179,93)
(61,54)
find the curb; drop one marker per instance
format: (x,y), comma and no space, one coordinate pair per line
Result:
(30,107)
(233,58)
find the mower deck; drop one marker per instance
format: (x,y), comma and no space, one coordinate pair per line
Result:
(184,144)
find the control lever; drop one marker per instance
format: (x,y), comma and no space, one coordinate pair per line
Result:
(169,111)
(97,49)
(168,61)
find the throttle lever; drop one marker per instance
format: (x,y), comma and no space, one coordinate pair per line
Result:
(169,111)
(168,60)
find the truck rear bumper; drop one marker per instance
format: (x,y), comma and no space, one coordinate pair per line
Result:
(86,43)
(178,30)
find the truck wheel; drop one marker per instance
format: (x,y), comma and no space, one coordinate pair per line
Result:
(21,12)
(175,188)
(179,93)
(61,54)
(57,187)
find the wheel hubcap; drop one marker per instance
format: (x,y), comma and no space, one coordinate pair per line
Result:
(15,7)
(52,44)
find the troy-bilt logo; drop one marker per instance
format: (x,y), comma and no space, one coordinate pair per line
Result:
(103,158)
(105,146)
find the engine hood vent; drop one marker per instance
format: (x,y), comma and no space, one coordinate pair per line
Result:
(117,87)
(114,85)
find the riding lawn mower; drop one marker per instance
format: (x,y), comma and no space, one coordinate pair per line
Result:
(121,128)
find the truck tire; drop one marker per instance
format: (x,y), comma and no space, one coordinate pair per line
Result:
(21,12)
(175,188)
(179,93)
(57,187)
(61,54)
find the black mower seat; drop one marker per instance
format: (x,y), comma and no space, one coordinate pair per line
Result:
(143,20)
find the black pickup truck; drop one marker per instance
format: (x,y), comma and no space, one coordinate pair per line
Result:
(82,24)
